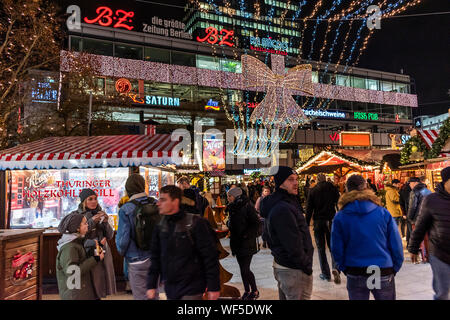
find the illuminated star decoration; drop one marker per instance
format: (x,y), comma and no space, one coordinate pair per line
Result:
(278,108)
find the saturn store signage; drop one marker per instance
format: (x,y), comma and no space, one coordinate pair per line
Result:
(162,101)
(355,139)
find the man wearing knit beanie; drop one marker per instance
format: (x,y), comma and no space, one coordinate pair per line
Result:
(288,237)
(135,253)
(434,219)
(363,235)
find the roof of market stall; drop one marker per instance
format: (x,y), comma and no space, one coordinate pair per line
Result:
(329,161)
(90,152)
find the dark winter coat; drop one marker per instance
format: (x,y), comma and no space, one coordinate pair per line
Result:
(243,229)
(201,203)
(415,200)
(74,254)
(286,231)
(184,253)
(103,274)
(434,218)
(404,198)
(322,201)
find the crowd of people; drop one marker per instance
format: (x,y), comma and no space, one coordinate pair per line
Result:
(167,242)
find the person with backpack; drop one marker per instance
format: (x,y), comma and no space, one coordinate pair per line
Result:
(200,202)
(183,253)
(99,230)
(243,223)
(137,220)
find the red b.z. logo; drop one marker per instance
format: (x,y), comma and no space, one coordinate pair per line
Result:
(105,19)
(212,36)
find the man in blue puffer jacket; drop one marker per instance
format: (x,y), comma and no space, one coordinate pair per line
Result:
(366,243)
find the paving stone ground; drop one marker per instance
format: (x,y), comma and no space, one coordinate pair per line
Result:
(413,281)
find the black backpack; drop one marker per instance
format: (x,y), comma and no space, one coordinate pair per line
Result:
(146,217)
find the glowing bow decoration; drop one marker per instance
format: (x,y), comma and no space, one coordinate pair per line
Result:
(278,108)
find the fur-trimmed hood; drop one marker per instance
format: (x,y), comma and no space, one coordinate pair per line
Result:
(361,196)
(187,201)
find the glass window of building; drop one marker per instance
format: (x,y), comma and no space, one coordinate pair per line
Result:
(344,105)
(359,106)
(388,111)
(101,85)
(403,112)
(342,80)
(207,62)
(230,65)
(127,51)
(183,59)
(103,48)
(372,84)
(315,77)
(75,43)
(401,87)
(373,108)
(386,86)
(359,83)
(157,55)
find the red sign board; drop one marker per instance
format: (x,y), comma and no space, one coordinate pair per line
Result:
(212,36)
(355,139)
(105,18)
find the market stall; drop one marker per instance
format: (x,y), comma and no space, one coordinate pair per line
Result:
(42,180)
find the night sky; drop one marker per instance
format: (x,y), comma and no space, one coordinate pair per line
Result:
(418,45)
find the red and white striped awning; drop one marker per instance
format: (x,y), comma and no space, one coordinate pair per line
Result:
(90,152)
(428,137)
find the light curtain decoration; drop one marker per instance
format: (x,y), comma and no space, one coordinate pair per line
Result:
(278,108)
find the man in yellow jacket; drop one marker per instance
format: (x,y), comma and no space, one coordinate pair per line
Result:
(393,201)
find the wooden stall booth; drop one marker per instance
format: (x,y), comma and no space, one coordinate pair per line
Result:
(40,182)
(337,164)
(21,253)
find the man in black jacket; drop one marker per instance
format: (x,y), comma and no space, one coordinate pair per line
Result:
(288,238)
(201,203)
(183,252)
(434,218)
(404,204)
(321,206)
(418,191)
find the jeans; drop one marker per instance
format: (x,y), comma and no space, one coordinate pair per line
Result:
(248,278)
(400,224)
(322,231)
(441,278)
(138,276)
(125,269)
(293,284)
(403,227)
(358,288)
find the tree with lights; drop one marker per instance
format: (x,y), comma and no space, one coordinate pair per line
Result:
(28,32)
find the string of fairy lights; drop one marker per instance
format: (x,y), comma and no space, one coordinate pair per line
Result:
(351,42)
